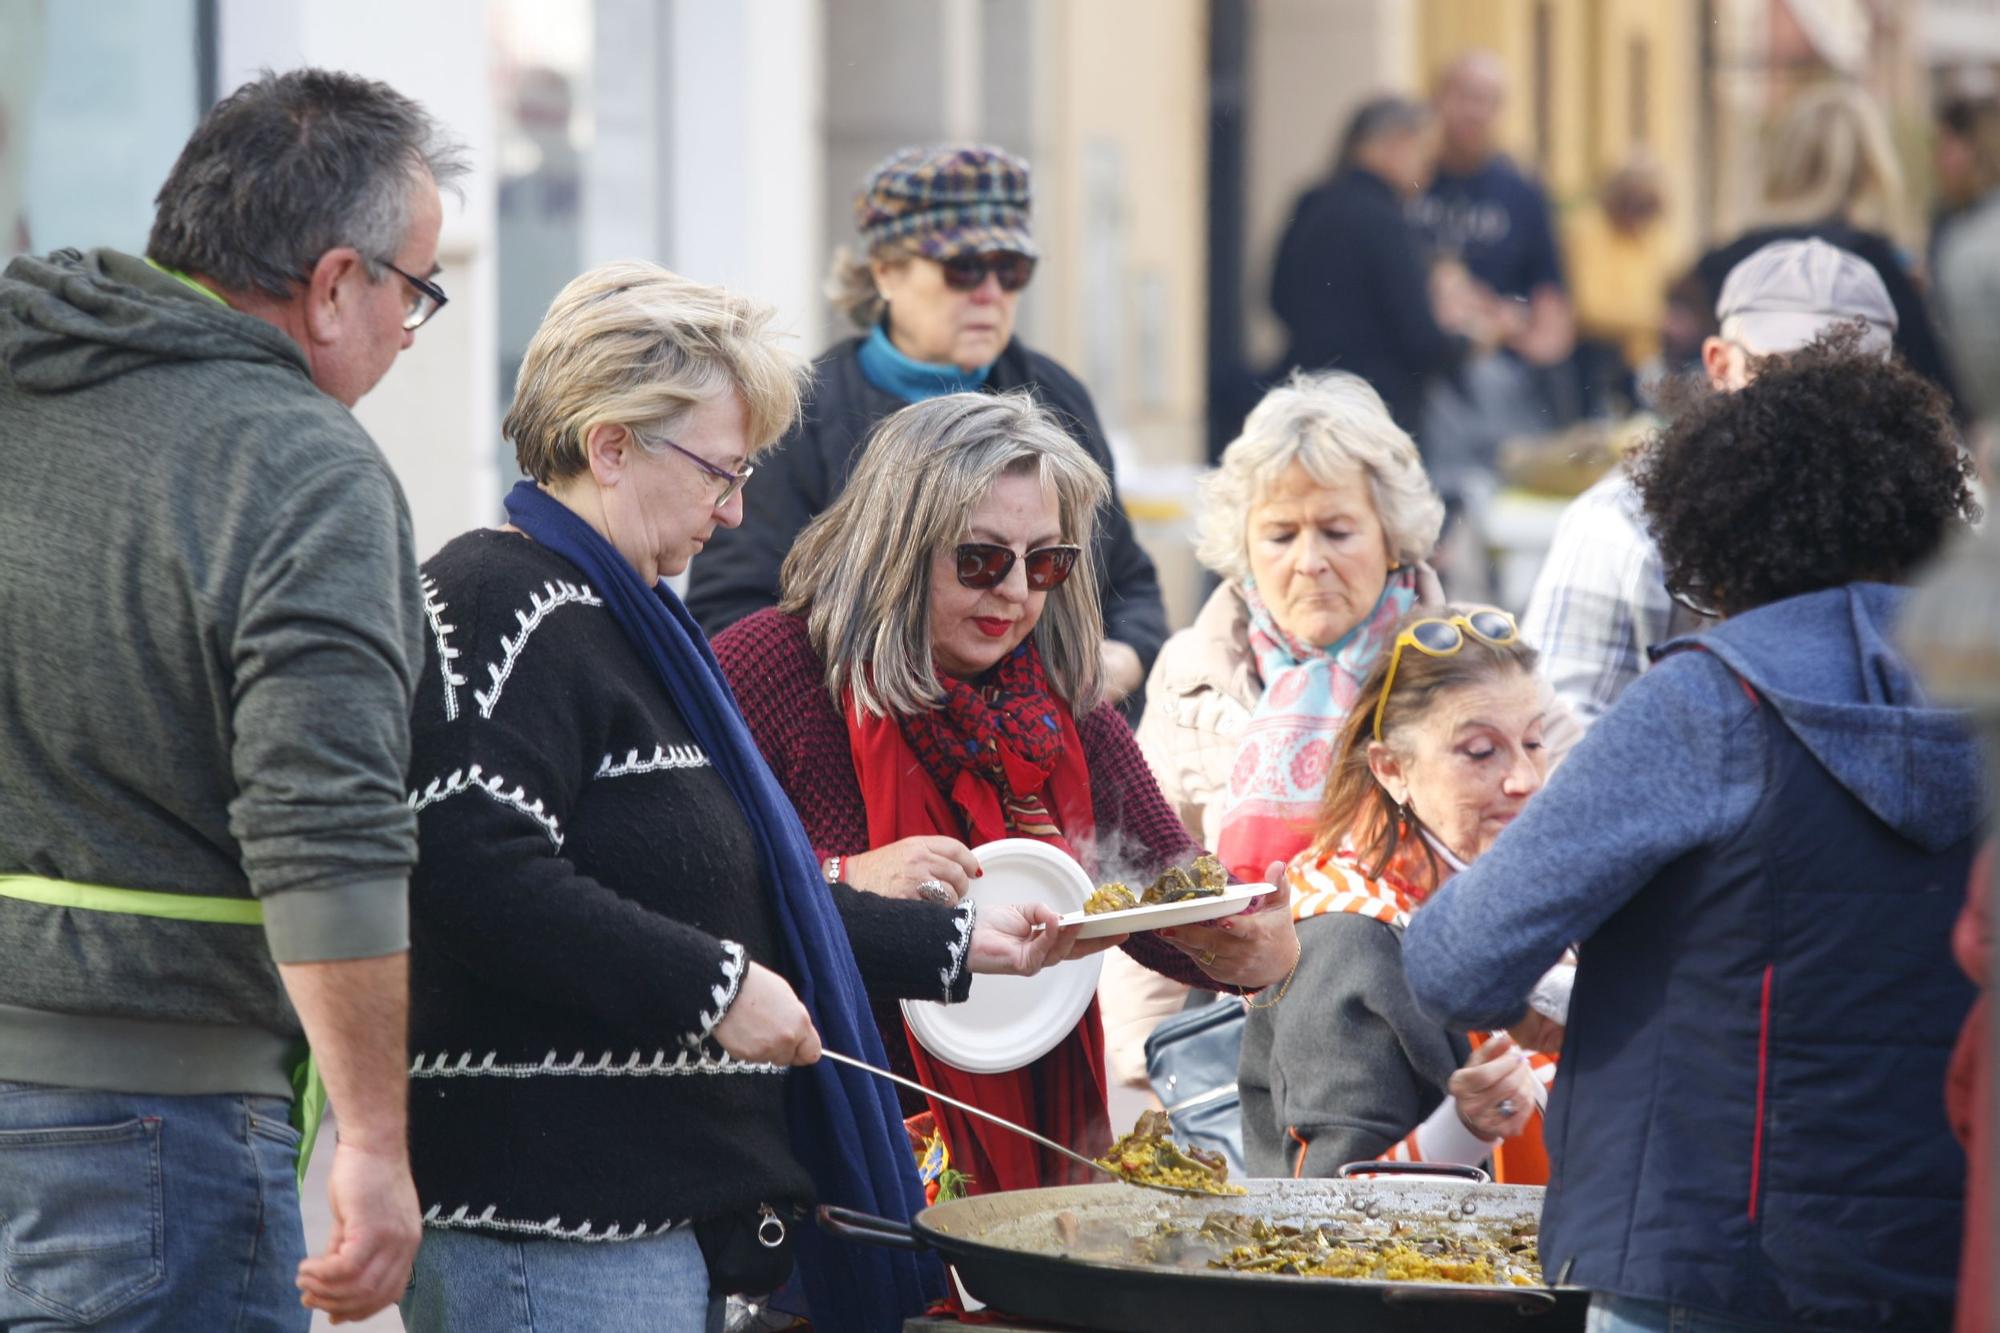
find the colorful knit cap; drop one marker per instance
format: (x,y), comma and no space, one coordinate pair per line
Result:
(949,200)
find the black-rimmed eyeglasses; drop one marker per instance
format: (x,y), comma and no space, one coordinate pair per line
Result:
(732,482)
(426,298)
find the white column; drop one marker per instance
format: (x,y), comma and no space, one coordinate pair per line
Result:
(746,157)
(436,414)
(625,181)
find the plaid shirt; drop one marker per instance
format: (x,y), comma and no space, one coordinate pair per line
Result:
(1600,604)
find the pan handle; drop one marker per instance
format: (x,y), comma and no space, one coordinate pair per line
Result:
(1471,1173)
(868,1229)
(1522,1300)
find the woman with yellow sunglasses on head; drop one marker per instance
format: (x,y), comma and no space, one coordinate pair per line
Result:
(1447,742)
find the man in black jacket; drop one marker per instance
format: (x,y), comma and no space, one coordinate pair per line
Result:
(1352,282)
(949,252)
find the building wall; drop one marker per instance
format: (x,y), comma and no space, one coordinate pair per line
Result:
(1125,166)
(1589,80)
(1121,93)
(435,414)
(1312,62)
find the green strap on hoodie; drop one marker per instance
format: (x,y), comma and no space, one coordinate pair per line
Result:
(190,283)
(308,1092)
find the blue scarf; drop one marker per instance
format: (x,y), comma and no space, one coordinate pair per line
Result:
(888,369)
(845,1125)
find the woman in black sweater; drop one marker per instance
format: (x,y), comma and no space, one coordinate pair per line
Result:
(617,969)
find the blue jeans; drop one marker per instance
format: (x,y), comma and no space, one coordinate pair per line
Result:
(127,1211)
(467,1282)
(1624,1314)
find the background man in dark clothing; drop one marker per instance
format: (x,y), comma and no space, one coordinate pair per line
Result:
(1352,281)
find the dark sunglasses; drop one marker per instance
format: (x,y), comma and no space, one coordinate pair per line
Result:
(985,565)
(1437,636)
(965,273)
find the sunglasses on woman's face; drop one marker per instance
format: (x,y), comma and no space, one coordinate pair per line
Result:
(965,273)
(1438,636)
(986,565)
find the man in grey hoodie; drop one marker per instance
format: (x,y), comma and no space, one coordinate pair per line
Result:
(213,628)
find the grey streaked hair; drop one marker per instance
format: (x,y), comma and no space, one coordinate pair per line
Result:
(861,572)
(850,282)
(630,344)
(290,166)
(1322,422)
(1832,155)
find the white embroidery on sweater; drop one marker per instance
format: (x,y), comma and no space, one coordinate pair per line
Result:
(664,756)
(495,786)
(558,594)
(434,613)
(723,993)
(464,1219)
(965,913)
(607,1065)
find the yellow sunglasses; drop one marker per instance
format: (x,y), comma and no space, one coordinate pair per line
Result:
(1440,636)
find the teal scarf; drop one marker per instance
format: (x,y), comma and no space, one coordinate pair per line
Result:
(910,379)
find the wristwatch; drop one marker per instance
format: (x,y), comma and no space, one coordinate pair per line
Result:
(829,869)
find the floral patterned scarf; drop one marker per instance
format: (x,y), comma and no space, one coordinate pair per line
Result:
(1286,749)
(1006,732)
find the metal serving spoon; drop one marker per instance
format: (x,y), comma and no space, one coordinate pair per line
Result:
(1022,1130)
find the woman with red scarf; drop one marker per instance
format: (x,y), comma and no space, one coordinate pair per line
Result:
(930,683)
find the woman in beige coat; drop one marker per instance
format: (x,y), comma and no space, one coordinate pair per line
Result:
(1318,520)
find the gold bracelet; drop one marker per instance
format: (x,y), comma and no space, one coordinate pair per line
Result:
(1283,986)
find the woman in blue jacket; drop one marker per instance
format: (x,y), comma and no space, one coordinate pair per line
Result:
(1760,851)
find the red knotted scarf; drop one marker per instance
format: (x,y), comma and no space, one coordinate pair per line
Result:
(1001,759)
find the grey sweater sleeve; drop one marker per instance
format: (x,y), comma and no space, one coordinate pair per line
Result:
(1355,1065)
(1677,765)
(323,640)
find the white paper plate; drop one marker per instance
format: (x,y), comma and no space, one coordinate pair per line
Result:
(1158,916)
(1008,1022)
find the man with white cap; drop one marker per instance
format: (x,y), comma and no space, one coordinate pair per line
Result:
(1601,603)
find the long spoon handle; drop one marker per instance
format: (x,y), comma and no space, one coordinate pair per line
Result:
(969,1109)
(1022,1130)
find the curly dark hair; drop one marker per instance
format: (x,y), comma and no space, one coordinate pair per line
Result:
(1833,466)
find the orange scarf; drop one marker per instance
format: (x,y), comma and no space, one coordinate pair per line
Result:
(1335,882)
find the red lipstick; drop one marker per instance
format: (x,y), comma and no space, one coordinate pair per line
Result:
(991,628)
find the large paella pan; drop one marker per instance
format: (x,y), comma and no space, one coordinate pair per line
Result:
(1112,1258)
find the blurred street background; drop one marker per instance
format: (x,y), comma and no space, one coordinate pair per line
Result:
(1170,141)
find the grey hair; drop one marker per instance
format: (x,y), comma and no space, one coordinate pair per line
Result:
(861,572)
(290,166)
(850,284)
(630,344)
(1833,155)
(1324,423)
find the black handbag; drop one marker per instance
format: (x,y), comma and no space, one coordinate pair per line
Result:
(1191,1061)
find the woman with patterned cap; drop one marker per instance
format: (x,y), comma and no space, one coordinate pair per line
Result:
(947,253)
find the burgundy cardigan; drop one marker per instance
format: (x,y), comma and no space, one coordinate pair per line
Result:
(780,684)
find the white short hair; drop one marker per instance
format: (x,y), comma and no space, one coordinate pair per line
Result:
(1326,423)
